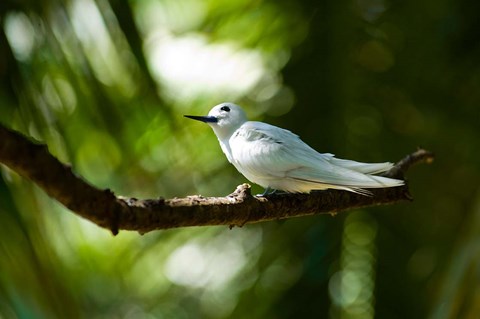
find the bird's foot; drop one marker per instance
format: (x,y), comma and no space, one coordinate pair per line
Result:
(269,191)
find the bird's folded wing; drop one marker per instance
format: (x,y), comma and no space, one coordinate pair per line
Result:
(265,150)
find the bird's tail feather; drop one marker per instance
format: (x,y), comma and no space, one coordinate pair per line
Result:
(362,190)
(346,180)
(384,182)
(365,168)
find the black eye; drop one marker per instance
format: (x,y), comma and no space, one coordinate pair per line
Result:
(225,108)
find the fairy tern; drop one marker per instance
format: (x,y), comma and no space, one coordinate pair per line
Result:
(277,159)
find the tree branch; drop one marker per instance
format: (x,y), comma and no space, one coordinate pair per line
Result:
(102,207)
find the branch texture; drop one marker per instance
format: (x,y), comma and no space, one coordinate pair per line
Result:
(102,207)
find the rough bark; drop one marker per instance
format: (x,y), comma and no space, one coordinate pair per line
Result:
(102,207)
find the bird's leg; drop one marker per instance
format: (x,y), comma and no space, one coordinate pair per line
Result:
(268,191)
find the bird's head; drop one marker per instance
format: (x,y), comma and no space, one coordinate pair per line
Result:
(224,118)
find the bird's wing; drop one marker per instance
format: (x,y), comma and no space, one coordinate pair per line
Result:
(265,150)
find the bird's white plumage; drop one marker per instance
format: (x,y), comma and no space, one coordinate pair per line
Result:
(276,158)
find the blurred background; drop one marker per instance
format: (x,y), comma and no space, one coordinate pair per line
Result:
(105,84)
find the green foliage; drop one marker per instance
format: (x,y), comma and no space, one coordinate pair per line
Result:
(104,83)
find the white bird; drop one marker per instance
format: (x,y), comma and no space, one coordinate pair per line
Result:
(277,159)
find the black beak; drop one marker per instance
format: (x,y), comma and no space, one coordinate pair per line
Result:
(206,119)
